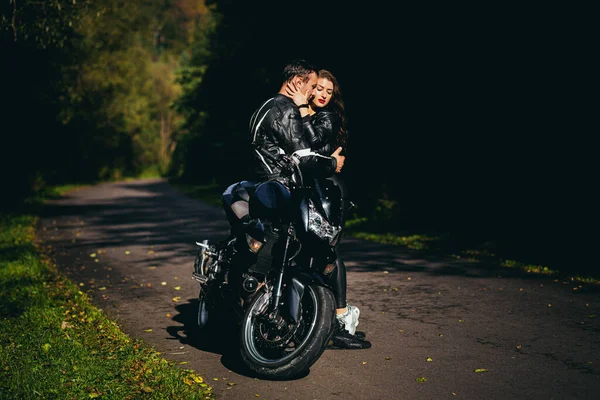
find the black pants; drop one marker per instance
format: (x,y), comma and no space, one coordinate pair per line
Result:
(337,281)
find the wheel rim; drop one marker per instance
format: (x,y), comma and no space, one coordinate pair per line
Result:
(268,345)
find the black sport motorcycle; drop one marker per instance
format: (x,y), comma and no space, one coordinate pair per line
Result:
(271,273)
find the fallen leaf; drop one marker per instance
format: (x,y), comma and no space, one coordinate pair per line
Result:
(163,283)
(387,358)
(102,288)
(93,255)
(127,252)
(364,362)
(168,315)
(421,379)
(176,299)
(429,359)
(147,330)
(177,288)
(152,267)
(479,370)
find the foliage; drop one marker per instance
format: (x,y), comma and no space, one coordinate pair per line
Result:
(103,75)
(46,24)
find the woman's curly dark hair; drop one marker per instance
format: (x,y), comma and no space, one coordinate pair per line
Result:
(337,105)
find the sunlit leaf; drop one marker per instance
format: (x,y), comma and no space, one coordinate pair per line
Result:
(421,379)
(127,252)
(429,359)
(479,370)
(147,330)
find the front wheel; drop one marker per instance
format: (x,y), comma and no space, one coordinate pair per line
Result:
(285,350)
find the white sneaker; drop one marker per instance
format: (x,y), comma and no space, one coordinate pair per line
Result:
(349,319)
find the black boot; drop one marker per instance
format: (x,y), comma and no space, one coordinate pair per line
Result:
(342,339)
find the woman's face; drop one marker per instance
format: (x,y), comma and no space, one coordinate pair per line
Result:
(322,93)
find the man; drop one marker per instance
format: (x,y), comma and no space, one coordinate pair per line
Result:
(281,126)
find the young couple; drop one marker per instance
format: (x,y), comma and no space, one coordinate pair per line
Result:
(306,118)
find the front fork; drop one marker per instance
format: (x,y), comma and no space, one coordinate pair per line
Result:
(278,289)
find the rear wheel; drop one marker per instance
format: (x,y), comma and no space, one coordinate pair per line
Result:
(283,350)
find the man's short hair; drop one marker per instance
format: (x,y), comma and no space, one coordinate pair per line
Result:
(298,67)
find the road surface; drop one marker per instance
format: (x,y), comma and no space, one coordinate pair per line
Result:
(440,328)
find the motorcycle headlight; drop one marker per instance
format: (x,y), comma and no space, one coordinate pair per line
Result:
(320,226)
(254,244)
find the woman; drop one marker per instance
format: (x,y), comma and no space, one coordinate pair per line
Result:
(327,114)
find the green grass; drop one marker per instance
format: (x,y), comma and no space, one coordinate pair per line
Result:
(54,344)
(439,244)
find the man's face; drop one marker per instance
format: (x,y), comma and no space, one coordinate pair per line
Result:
(310,85)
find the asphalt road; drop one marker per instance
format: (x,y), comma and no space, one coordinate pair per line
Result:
(441,329)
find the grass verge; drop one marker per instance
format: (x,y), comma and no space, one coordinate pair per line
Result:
(54,344)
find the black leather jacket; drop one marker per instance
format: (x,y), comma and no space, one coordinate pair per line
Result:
(277,128)
(323,138)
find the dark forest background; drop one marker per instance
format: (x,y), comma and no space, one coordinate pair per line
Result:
(462,118)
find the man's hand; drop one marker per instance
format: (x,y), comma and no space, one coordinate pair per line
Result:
(339,158)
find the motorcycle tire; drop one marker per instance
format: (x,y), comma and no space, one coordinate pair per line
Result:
(259,348)
(203,313)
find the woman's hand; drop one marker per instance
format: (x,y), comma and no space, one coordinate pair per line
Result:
(296,95)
